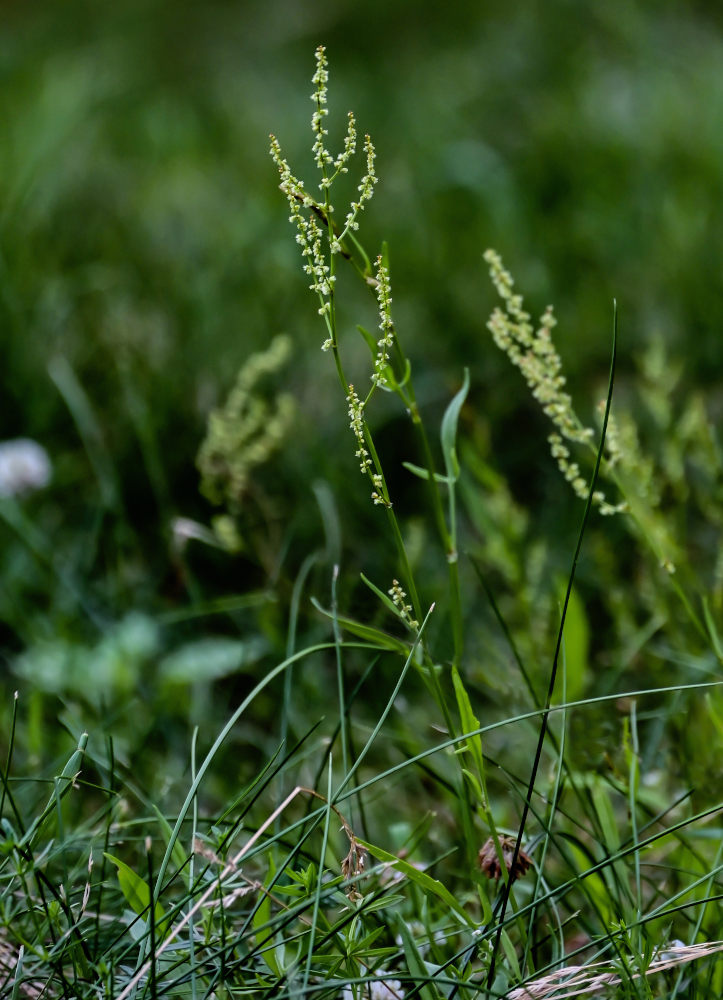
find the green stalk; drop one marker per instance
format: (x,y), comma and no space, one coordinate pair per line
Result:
(438,509)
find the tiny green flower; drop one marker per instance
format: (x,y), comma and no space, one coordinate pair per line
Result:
(365,189)
(316,233)
(340,163)
(320,80)
(399,598)
(534,353)
(246,430)
(356,416)
(386,340)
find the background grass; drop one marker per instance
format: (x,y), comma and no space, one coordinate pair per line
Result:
(145,253)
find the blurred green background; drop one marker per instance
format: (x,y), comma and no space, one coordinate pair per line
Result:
(145,253)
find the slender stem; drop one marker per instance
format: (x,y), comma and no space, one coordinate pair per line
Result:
(398,540)
(555,659)
(339,673)
(444,534)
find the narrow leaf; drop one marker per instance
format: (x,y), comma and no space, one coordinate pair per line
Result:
(260,921)
(417,470)
(424,881)
(576,640)
(177,851)
(372,635)
(712,630)
(449,430)
(415,963)
(469,721)
(384,598)
(134,888)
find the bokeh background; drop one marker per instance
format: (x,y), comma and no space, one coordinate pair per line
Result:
(145,253)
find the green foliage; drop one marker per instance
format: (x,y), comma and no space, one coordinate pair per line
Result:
(577,644)
(135,891)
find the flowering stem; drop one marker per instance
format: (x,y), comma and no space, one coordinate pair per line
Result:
(398,540)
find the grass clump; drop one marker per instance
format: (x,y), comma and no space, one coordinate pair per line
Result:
(450,796)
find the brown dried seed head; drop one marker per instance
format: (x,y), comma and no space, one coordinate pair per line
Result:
(490,863)
(353,865)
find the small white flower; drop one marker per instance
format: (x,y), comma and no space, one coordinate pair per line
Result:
(356,413)
(386,989)
(365,189)
(386,340)
(24,467)
(405,610)
(671,952)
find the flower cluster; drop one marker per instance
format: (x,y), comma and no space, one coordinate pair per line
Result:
(356,417)
(386,340)
(308,230)
(534,353)
(399,598)
(320,80)
(312,218)
(378,496)
(340,163)
(320,239)
(623,449)
(249,427)
(356,422)
(365,189)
